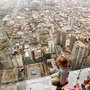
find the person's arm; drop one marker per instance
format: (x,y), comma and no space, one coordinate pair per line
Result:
(59,74)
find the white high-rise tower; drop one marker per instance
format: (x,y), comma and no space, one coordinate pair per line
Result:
(51,46)
(71,21)
(77,53)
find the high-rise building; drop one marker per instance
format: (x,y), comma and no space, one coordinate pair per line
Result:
(71,21)
(51,46)
(72,41)
(58,37)
(63,39)
(77,54)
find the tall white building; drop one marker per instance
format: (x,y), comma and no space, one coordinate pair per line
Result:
(71,21)
(51,46)
(77,53)
(61,38)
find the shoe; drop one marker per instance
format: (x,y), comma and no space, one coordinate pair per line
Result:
(59,87)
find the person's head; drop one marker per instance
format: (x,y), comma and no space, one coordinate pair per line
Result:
(62,62)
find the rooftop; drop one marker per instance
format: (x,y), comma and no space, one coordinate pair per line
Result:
(44,83)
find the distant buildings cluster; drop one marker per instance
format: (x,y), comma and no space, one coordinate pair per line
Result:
(35,33)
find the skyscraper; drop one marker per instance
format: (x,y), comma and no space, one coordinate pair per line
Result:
(63,41)
(58,37)
(51,46)
(71,21)
(77,54)
(72,41)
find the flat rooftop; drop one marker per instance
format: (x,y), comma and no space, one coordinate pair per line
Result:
(44,83)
